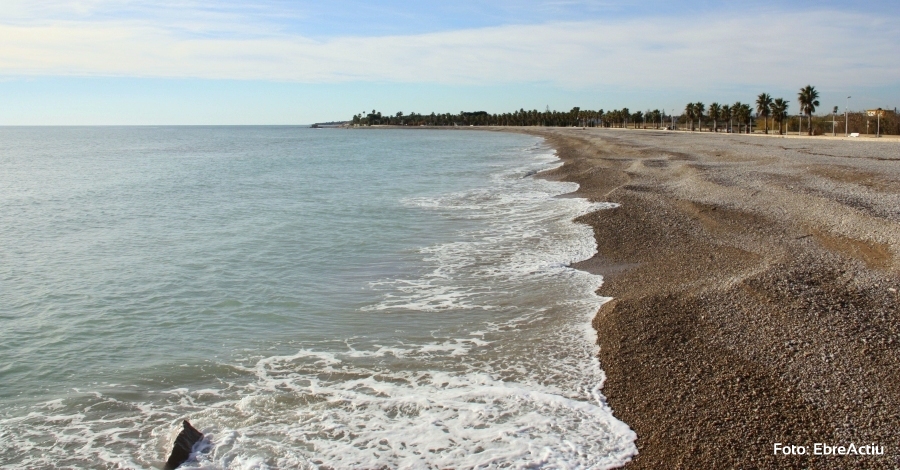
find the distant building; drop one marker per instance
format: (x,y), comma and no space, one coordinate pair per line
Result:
(880,112)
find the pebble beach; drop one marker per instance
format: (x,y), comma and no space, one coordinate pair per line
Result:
(754,284)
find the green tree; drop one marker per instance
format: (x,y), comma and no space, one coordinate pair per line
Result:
(746,115)
(725,114)
(689,113)
(575,112)
(736,113)
(715,111)
(779,109)
(699,109)
(809,99)
(636,118)
(763,106)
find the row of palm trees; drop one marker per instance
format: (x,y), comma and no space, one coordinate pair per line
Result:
(740,113)
(574,117)
(777,109)
(622,117)
(766,107)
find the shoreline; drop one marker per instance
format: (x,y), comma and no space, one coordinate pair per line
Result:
(888,138)
(754,289)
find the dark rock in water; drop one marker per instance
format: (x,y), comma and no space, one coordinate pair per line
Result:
(184,443)
(530,173)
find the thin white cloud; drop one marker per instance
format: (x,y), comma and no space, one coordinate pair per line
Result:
(829,49)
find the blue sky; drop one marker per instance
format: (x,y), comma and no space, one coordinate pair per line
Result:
(276,62)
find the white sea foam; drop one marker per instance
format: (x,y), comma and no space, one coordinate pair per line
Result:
(517,385)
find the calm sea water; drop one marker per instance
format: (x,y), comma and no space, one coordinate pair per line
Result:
(307,298)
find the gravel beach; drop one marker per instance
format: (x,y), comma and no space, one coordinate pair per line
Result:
(755,293)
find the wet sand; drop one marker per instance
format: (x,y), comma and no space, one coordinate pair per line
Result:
(755,293)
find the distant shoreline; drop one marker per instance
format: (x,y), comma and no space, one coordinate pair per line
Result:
(539,129)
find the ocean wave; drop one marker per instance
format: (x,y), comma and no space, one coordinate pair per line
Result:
(515,384)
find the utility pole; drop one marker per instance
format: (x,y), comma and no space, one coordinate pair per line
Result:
(846,118)
(878,113)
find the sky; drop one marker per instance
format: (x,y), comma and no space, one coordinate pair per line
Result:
(139,62)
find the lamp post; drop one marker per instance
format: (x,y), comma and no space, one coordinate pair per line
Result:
(846,118)
(878,113)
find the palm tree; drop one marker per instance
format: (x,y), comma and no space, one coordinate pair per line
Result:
(689,113)
(808,98)
(747,115)
(725,114)
(714,112)
(576,117)
(779,109)
(763,105)
(699,108)
(736,112)
(637,117)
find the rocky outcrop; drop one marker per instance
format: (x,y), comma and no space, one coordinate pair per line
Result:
(184,443)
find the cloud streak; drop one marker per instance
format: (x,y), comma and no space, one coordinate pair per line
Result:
(830,48)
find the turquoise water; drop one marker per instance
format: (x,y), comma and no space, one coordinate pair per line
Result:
(307,298)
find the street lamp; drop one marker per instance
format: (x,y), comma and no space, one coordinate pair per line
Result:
(846,119)
(878,132)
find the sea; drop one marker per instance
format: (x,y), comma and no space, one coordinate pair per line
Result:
(307,298)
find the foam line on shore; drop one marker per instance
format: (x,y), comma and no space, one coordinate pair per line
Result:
(515,383)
